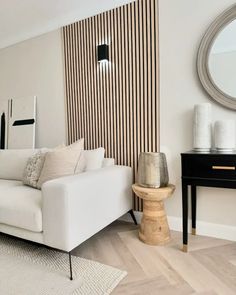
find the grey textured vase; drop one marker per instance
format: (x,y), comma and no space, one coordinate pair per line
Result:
(152,170)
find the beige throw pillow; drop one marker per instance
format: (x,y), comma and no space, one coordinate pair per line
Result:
(33,169)
(61,162)
(34,166)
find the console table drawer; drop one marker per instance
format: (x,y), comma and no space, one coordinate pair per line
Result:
(209,166)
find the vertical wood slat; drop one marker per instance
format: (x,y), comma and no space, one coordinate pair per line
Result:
(153,97)
(89,91)
(123,121)
(114,84)
(157,82)
(120,82)
(98,86)
(141,60)
(109,96)
(134,96)
(80,86)
(115,105)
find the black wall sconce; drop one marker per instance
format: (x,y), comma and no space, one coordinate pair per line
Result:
(103,53)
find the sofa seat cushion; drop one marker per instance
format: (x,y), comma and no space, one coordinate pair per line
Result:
(21,206)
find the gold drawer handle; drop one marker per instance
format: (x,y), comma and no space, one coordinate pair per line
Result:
(223,167)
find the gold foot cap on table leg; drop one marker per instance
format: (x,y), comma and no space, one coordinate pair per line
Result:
(185,248)
(194,231)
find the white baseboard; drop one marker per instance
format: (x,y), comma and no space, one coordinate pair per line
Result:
(214,230)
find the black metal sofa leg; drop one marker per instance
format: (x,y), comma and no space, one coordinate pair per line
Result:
(131,212)
(71,274)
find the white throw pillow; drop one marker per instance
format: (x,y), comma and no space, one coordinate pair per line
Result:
(13,162)
(108,162)
(91,160)
(61,162)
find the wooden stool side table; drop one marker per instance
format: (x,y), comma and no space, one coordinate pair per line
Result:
(154,228)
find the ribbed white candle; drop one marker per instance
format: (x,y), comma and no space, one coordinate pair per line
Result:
(225,135)
(202,127)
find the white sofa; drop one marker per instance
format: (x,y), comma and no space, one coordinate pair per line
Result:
(68,210)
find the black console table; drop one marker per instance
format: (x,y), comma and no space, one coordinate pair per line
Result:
(211,169)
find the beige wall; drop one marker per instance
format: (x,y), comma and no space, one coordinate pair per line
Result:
(35,67)
(182,25)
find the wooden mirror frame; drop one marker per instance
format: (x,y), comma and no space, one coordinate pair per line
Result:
(203,57)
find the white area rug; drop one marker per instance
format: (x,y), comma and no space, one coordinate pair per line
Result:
(27,269)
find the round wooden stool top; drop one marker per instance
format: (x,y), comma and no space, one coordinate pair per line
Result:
(153,194)
(154,228)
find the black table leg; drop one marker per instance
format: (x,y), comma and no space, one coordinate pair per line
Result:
(185,215)
(194,207)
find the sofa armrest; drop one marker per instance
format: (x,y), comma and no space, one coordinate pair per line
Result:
(76,207)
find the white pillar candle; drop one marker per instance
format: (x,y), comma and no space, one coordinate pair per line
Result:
(202,127)
(225,135)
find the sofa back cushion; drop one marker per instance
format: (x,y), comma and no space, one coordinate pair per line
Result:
(13,162)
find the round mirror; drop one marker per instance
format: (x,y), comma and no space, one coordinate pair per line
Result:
(216,61)
(222,60)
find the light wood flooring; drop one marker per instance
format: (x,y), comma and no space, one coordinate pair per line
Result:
(208,268)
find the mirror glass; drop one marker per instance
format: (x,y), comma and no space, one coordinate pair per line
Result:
(222,60)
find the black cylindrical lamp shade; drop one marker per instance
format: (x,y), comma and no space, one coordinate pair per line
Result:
(103,53)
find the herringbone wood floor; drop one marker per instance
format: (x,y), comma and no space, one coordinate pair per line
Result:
(209,267)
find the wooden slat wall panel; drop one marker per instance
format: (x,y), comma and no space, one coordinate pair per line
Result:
(115,104)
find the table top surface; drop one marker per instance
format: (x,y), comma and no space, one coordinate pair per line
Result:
(211,152)
(153,194)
